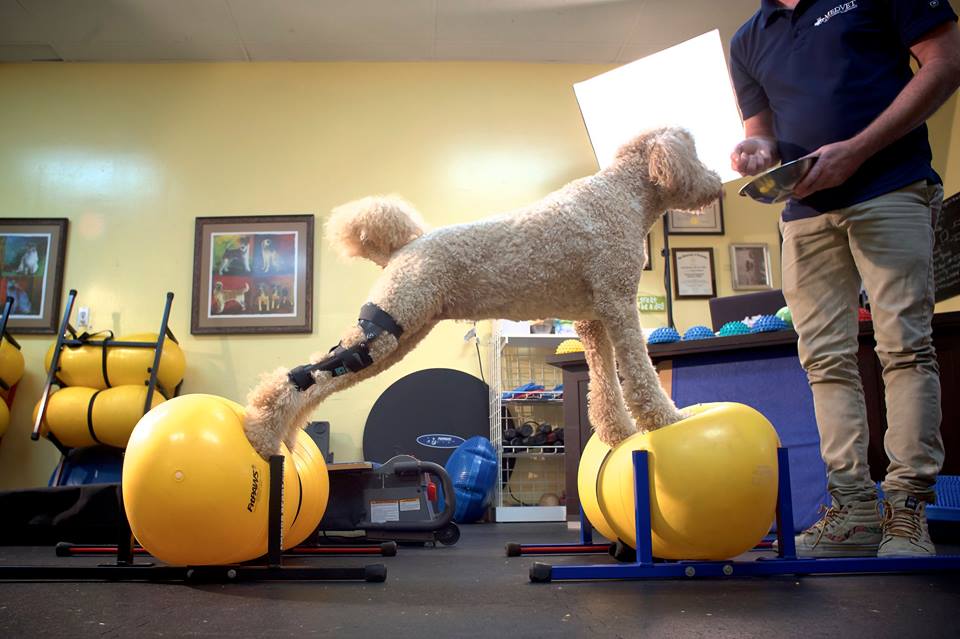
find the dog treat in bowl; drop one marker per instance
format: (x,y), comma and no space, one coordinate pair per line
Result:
(776,184)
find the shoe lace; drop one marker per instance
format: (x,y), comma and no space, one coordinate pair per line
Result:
(829,516)
(902,522)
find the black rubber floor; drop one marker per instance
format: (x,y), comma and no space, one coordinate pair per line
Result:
(473,590)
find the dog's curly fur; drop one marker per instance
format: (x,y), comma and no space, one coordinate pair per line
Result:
(576,254)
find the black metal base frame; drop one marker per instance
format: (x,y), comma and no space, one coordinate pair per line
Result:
(272,569)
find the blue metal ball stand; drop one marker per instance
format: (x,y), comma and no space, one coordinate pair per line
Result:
(785,563)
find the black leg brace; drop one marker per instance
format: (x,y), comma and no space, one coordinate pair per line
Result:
(373,321)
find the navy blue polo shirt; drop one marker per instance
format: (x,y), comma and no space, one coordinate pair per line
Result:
(826,70)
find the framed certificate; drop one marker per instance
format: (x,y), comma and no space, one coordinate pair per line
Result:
(706,221)
(693,273)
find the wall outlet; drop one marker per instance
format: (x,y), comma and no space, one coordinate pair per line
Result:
(83,317)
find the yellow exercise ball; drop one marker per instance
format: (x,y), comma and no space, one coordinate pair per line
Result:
(4,418)
(194,489)
(79,416)
(713,483)
(132,365)
(83,365)
(11,363)
(314,487)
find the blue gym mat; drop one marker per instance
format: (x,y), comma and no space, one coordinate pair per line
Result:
(773,383)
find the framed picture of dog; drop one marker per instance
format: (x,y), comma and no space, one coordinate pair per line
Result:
(32,254)
(750,265)
(694,276)
(706,221)
(253,274)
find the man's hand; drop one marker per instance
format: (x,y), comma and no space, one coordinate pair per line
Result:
(835,164)
(754,155)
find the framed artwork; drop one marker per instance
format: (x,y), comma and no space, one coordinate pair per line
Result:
(706,221)
(32,254)
(750,266)
(253,274)
(693,273)
(648,262)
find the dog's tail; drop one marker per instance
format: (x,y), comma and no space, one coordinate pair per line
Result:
(374,227)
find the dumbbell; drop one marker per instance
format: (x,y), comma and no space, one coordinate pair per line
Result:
(509,434)
(544,428)
(527,429)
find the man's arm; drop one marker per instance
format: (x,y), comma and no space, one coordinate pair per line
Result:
(938,53)
(758,152)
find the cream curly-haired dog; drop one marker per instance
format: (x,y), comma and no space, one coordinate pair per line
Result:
(576,254)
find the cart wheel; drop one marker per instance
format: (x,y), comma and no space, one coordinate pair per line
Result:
(540,573)
(513,549)
(375,573)
(449,534)
(622,552)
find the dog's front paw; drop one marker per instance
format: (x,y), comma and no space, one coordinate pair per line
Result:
(264,439)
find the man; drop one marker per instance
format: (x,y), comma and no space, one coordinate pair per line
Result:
(832,78)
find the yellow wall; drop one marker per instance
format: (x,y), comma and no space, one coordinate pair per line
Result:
(131,154)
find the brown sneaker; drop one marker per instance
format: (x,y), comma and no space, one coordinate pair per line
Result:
(846,530)
(905,532)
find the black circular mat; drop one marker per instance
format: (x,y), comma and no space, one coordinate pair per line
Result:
(426,414)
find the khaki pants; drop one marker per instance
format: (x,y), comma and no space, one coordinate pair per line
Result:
(886,242)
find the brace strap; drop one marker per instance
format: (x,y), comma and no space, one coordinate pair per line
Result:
(373,321)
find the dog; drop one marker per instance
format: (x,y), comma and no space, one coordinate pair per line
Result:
(263,300)
(592,234)
(275,298)
(236,259)
(269,256)
(21,299)
(223,295)
(29,261)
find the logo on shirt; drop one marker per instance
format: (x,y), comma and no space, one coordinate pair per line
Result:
(837,10)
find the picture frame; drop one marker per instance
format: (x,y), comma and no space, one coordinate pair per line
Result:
(32,257)
(706,221)
(648,262)
(694,275)
(253,274)
(750,267)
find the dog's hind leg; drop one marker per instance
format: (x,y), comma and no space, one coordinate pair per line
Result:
(646,399)
(605,405)
(276,409)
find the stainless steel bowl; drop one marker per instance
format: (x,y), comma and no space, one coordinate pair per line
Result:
(776,184)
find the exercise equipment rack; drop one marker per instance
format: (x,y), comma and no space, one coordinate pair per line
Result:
(645,566)
(269,568)
(4,333)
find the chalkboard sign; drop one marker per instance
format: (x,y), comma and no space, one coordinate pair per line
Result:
(946,250)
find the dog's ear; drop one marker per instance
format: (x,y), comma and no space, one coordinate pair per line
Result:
(672,158)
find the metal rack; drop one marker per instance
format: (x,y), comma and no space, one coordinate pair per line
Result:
(643,565)
(269,568)
(527,472)
(10,391)
(68,337)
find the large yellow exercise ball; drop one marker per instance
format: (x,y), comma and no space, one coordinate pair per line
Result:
(315,490)
(194,489)
(83,365)
(79,416)
(713,483)
(4,418)
(11,363)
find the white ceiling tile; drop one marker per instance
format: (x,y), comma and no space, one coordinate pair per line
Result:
(27,53)
(527,51)
(322,49)
(339,20)
(130,20)
(17,25)
(145,51)
(539,20)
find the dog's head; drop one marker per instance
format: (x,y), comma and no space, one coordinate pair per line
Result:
(218,287)
(668,157)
